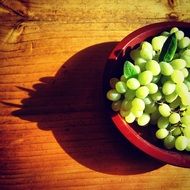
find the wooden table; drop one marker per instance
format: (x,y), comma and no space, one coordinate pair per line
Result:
(54,133)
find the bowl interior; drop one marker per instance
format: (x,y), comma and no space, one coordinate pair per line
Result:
(142,137)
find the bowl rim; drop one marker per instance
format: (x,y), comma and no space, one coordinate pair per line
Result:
(164,155)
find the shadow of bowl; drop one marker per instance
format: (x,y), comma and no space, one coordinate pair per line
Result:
(71,105)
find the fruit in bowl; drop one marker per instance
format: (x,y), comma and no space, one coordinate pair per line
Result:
(147,89)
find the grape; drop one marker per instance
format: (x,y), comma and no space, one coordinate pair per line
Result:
(185,99)
(123,78)
(113,95)
(168,87)
(176,131)
(187,59)
(165,33)
(156,78)
(184,42)
(178,64)
(186,52)
(126,105)
(153,66)
(148,100)
(166,68)
(150,108)
(146,45)
(162,133)
(120,87)
(146,54)
(130,118)
(133,83)
(143,120)
(136,112)
(135,54)
(187,83)
(181,89)
(142,92)
(179,34)
(145,77)
(175,103)
(163,122)
(188,146)
(174,118)
(138,69)
(116,105)
(158,42)
(169,142)
(177,76)
(185,72)
(156,96)
(138,103)
(186,120)
(164,110)
(174,30)
(124,113)
(140,62)
(186,132)
(152,87)
(113,81)
(181,143)
(129,94)
(171,97)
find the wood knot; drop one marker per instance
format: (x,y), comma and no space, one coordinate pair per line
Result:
(172,3)
(173,16)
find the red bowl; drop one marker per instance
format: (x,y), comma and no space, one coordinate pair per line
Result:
(141,137)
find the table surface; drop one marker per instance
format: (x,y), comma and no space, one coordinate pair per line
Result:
(54,133)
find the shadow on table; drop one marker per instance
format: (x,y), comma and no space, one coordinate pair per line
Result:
(71,106)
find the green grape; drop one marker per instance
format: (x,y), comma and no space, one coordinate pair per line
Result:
(116,105)
(153,66)
(177,76)
(138,103)
(186,52)
(187,83)
(129,94)
(185,99)
(113,95)
(152,87)
(123,78)
(146,52)
(162,133)
(142,92)
(179,34)
(143,120)
(148,100)
(158,42)
(174,118)
(130,118)
(185,72)
(188,146)
(165,33)
(166,68)
(138,69)
(176,131)
(124,113)
(187,60)
(134,54)
(174,30)
(164,110)
(163,122)
(186,120)
(156,78)
(126,105)
(168,87)
(156,96)
(150,108)
(186,132)
(136,112)
(120,87)
(169,142)
(175,103)
(146,45)
(181,89)
(133,83)
(113,81)
(140,62)
(145,77)
(171,97)
(178,64)
(184,42)
(181,143)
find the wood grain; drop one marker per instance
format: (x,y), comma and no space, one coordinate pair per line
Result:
(54,133)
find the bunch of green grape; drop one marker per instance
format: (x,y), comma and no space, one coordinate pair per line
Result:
(155,88)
